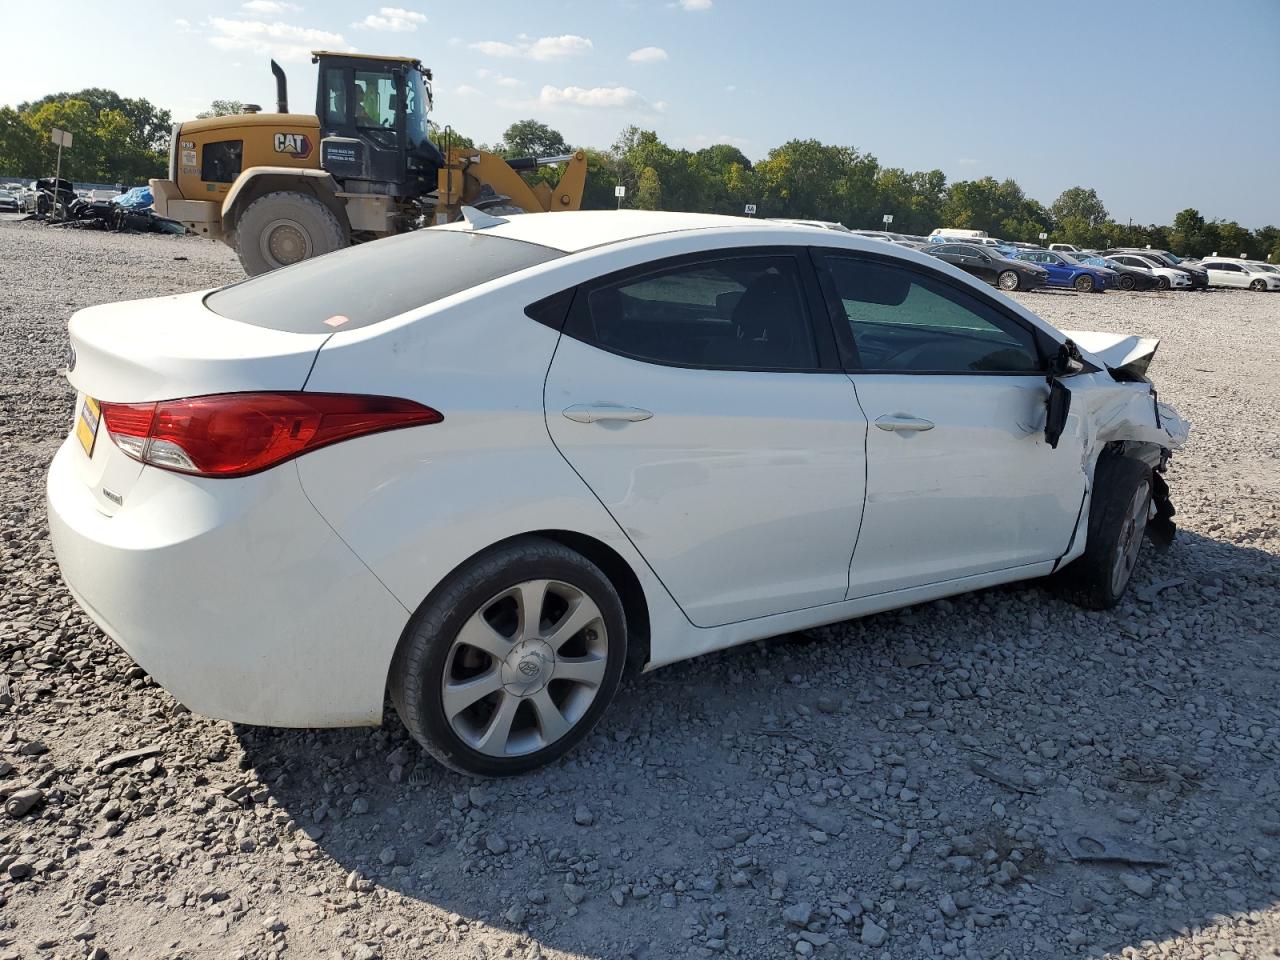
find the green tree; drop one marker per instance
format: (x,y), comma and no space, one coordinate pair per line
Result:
(20,151)
(221,108)
(1188,235)
(531,138)
(151,123)
(648,190)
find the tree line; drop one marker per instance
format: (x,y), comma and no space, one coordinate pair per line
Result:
(126,141)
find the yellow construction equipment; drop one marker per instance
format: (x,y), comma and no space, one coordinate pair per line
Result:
(282,187)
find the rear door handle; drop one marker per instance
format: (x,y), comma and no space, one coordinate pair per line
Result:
(597,412)
(902,423)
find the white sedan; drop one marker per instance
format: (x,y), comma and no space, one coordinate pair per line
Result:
(1240,273)
(488,465)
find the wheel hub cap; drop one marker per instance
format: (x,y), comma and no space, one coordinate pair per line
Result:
(527,668)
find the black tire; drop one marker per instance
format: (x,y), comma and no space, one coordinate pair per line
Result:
(282,228)
(418,669)
(1098,578)
(1008,280)
(1258,285)
(1164,283)
(1127,282)
(1084,283)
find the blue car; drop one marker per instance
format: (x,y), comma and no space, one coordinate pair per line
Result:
(1066,271)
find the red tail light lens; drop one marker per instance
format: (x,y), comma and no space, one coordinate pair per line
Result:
(236,434)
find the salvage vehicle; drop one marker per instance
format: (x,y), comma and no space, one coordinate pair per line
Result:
(1065,271)
(600,439)
(1127,277)
(1167,277)
(282,187)
(1198,275)
(987,264)
(1225,272)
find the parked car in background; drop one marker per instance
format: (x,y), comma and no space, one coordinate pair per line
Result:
(1065,271)
(1168,278)
(987,263)
(1127,277)
(9,202)
(880,235)
(1165,258)
(1239,273)
(957,232)
(1065,248)
(488,489)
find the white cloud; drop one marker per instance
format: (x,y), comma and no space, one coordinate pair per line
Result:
(184,26)
(465,90)
(647,55)
(269,6)
(484,73)
(280,40)
(392,20)
(543,49)
(608,97)
(695,4)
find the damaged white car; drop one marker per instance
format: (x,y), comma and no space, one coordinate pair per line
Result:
(486,466)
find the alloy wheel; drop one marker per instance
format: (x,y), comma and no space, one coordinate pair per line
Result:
(1129,543)
(525,668)
(1008,280)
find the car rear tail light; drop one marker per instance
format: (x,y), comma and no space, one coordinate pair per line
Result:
(236,434)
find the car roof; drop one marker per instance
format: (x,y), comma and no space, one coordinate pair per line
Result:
(573,231)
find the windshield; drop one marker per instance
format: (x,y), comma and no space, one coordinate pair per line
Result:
(1172,258)
(417,106)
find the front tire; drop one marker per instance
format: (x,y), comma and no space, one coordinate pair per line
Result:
(282,228)
(512,660)
(1118,511)
(1164,283)
(1127,283)
(1258,285)
(1008,280)
(1084,283)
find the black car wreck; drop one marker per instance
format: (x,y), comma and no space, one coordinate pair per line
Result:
(989,264)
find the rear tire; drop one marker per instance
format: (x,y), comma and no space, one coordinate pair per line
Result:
(490,691)
(1118,511)
(1008,280)
(282,228)
(1084,283)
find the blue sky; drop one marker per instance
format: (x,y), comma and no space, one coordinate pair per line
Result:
(1157,105)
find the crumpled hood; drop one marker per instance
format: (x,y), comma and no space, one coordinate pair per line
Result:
(1124,353)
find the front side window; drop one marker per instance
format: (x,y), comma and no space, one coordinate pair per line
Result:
(908,322)
(220,162)
(738,312)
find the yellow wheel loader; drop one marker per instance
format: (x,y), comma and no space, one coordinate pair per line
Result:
(282,187)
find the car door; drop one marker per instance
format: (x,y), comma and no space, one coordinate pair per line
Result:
(711,417)
(979,263)
(1060,275)
(1228,275)
(960,479)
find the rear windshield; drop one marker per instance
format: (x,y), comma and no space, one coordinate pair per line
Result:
(373,281)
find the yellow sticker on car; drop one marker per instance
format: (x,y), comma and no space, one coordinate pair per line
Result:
(87,419)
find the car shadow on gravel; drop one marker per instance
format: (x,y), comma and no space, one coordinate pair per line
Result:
(919,778)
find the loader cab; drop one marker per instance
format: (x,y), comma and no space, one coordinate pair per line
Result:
(374,133)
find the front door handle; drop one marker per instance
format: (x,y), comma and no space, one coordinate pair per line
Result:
(597,412)
(902,423)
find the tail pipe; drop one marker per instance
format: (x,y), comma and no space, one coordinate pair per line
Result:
(282,88)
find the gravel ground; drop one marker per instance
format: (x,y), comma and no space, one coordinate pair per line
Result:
(909,785)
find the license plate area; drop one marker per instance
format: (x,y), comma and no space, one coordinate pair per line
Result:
(88,419)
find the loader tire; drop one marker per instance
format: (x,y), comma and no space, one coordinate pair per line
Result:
(282,228)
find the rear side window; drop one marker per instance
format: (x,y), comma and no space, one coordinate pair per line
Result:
(374,281)
(220,162)
(732,313)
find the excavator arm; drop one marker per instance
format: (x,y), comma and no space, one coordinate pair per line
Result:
(466,173)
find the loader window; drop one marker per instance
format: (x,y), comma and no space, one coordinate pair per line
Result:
(375,99)
(220,162)
(335,97)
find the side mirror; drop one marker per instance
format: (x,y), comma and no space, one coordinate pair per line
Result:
(1067,361)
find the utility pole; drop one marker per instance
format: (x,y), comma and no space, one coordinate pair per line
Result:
(61,138)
